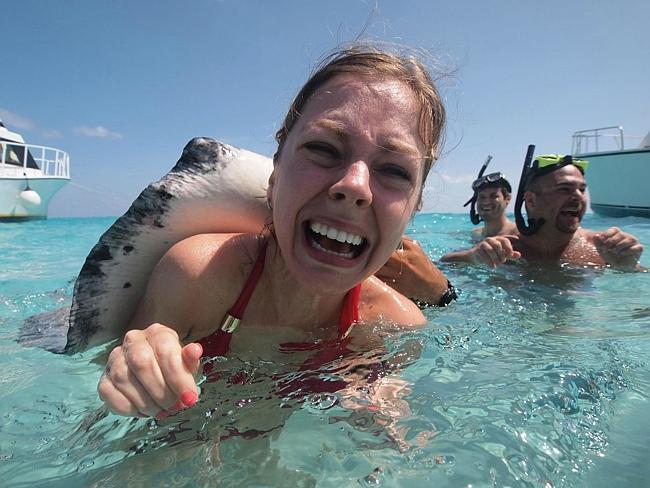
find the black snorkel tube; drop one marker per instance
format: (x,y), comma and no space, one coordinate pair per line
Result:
(474,217)
(533,225)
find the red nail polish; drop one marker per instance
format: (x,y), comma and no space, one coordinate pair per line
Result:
(162,415)
(189,398)
(179,405)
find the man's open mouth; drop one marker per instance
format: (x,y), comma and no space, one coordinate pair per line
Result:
(571,213)
(334,241)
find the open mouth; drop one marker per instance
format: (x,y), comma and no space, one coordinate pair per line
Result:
(486,209)
(334,241)
(571,213)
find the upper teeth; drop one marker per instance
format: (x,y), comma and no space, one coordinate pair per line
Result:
(336,234)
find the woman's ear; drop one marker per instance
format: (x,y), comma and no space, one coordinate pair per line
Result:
(269,188)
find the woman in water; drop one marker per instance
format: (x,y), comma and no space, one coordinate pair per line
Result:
(353,154)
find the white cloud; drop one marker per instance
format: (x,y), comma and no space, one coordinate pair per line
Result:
(52,134)
(458,180)
(98,131)
(14,121)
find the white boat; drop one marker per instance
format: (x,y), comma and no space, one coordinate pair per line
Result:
(617,177)
(30,175)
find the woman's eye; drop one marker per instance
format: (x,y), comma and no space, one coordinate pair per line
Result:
(396,171)
(322,149)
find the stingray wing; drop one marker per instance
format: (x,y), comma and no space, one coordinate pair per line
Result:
(214,187)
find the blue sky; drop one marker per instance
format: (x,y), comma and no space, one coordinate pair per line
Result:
(123,85)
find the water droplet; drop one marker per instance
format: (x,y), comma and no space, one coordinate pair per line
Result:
(320,401)
(375,478)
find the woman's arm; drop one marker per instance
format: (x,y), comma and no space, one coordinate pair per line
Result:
(410,271)
(152,372)
(381,304)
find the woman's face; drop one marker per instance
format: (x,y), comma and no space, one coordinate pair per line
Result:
(347,181)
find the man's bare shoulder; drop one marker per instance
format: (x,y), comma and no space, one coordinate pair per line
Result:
(585,234)
(510,229)
(477,234)
(381,303)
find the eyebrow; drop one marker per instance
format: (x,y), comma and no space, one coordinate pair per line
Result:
(571,184)
(392,144)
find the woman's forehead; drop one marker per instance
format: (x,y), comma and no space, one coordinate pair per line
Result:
(365,87)
(382,105)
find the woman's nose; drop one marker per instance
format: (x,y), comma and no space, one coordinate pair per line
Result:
(353,185)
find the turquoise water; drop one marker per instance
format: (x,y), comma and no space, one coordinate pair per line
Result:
(529,379)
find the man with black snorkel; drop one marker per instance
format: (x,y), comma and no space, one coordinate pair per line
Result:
(553,189)
(492,194)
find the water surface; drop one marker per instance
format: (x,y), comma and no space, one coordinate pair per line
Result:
(532,378)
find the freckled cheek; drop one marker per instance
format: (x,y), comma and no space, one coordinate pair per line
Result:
(398,211)
(294,190)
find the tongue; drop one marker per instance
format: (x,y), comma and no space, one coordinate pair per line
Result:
(333,245)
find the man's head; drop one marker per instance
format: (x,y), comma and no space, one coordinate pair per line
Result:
(558,197)
(553,188)
(491,201)
(492,193)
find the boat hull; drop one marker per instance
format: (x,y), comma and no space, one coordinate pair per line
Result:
(14,208)
(617,182)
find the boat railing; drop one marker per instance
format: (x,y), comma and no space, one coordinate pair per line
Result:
(589,140)
(601,139)
(49,160)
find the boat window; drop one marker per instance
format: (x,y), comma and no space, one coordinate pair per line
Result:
(15,156)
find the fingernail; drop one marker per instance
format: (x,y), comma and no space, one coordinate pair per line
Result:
(162,414)
(189,398)
(179,405)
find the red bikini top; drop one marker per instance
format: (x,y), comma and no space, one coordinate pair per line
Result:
(217,344)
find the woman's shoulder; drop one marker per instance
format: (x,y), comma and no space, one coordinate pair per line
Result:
(198,279)
(381,303)
(196,254)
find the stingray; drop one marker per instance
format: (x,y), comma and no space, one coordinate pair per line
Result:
(214,187)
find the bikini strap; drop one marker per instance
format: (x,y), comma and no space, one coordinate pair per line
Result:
(218,343)
(350,311)
(236,312)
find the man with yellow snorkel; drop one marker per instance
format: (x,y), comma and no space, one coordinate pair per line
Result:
(553,189)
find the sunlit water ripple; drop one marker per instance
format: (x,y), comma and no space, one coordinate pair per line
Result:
(532,378)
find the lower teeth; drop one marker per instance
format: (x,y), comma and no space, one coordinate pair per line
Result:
(348,255)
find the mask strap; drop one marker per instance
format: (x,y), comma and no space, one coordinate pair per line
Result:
(474,217)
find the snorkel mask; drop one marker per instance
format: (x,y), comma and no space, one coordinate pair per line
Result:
(540,166)
(496,180)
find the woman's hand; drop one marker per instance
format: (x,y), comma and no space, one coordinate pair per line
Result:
(151,374)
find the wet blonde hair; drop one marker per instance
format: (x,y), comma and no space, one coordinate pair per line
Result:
(374,62)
